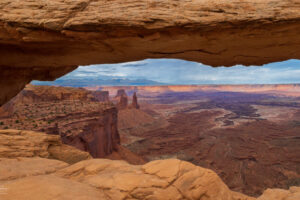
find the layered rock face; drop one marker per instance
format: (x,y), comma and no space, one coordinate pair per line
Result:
(98,132)
(43,40)
(73,113)
(101,95)
(208,31)
(16,143)
(37,94)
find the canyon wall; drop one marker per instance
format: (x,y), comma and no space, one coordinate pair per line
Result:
(42,40)
(75,114)
(83,119)
(101,95)
(98,135)
(37,94)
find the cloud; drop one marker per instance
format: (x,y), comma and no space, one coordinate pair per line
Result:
(174,71)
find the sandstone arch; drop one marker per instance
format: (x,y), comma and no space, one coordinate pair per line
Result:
(43,40)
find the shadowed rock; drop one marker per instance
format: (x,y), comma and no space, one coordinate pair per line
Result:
(123,102)
(134,103)
(120,93)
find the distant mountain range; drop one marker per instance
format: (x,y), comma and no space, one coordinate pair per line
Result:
(90,82)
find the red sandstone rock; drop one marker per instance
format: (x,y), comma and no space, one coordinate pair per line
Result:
(73,113)
(43,40)
(134,103)
(98,135)
(123,102)
(120,93)
(101,95)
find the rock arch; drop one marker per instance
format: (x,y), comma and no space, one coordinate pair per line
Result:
(44,40)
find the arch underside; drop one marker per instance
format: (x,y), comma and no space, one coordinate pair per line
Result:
(45,40)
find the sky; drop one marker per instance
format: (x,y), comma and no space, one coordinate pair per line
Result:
(179,72)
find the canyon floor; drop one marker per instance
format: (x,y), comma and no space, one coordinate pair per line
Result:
(249,139)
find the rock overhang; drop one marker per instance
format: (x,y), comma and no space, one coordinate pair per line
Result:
(44,40)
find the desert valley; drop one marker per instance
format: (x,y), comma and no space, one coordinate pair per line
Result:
(247,134)
(149,100)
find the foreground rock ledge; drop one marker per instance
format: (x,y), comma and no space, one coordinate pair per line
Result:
(46,39)
(17,143)
(27,173)
(40,178)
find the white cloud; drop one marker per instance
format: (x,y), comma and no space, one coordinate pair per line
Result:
(175,71)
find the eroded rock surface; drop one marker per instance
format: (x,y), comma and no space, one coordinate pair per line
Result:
(105,179)
(292,193)
(17,143)
(43,40)
(78,116)
(250,139)
(101,95)
(88,32)
(33,177)
(19,167)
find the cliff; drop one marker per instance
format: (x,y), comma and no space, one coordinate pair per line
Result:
(101,95)
(95,132)
(34,93)
(75,114)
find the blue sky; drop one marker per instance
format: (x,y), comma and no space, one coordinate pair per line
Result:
(173,71)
